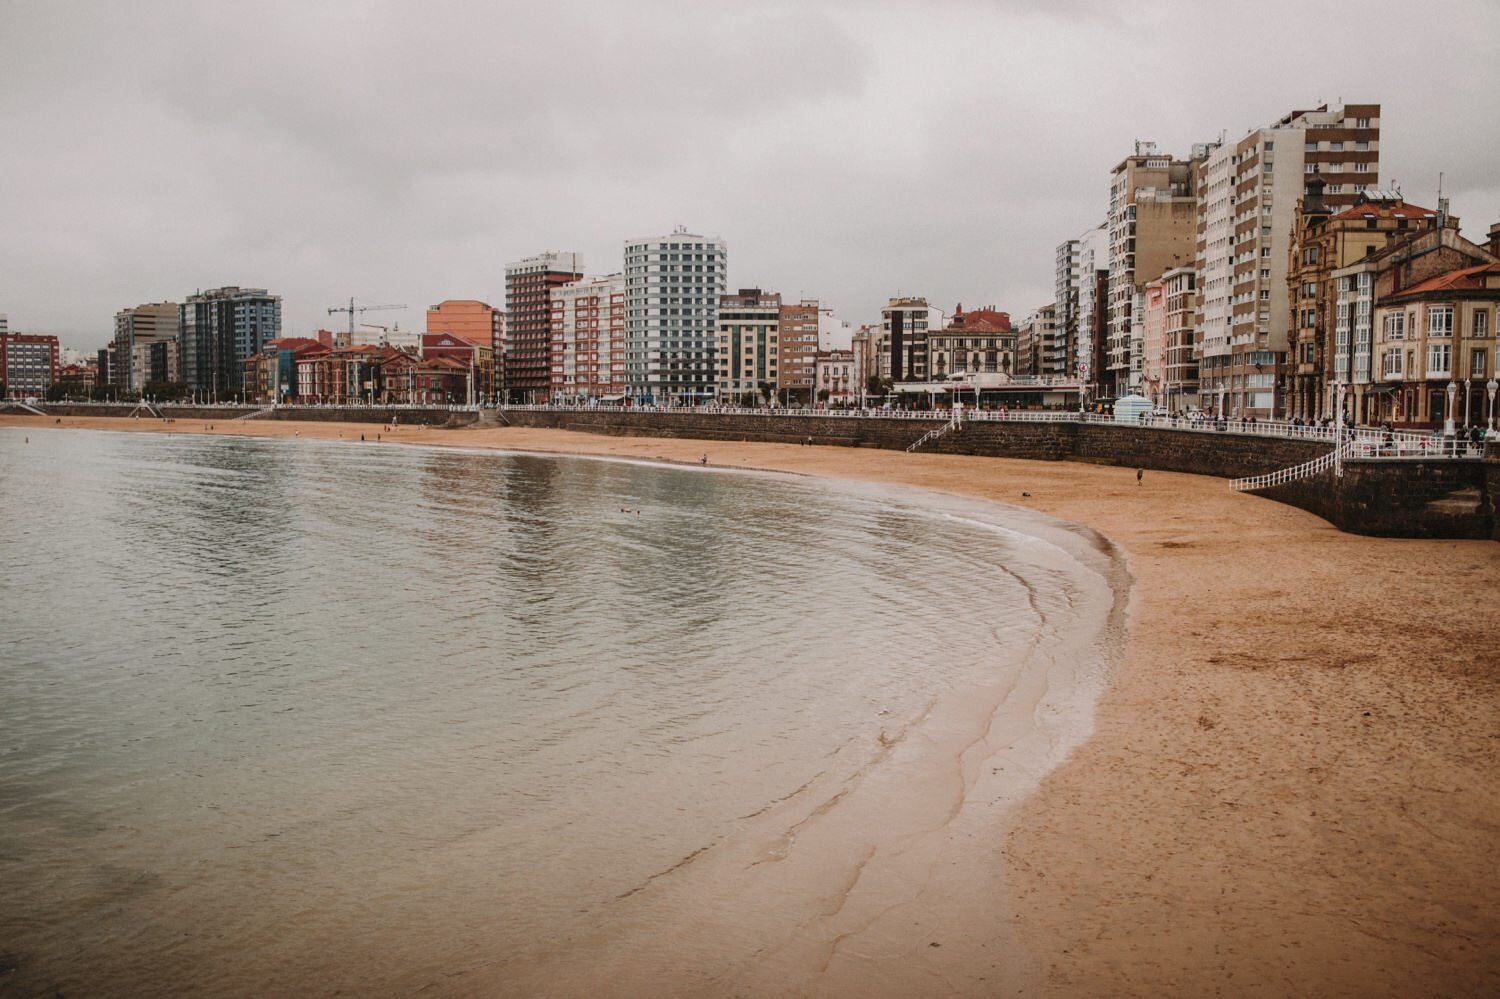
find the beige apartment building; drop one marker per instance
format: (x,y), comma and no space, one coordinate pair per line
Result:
(980,341)
(1151,229)
(144,347)
(749,345)
(1248,195)
(1363,345)
(1037,345)
(1435,351)
(1323,241)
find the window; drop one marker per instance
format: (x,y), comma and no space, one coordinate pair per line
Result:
(1481,322)
(1476,364)
(1439,359)
(1395,326)
(1391,364)
(1440,320)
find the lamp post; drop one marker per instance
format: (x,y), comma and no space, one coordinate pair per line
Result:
(1467,421)
(1448,429)
(1491,385)
(1338,431)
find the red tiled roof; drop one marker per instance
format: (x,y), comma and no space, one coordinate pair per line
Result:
(1400,209)
(1463,279)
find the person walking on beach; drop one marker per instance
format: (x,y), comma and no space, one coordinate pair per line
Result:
(704,460)
(1140,473)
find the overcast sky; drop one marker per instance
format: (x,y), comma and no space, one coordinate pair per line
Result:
(847,150)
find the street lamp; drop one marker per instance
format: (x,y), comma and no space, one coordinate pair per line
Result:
(1448,429)
(1338,432)
(1491,385)
(1467,421)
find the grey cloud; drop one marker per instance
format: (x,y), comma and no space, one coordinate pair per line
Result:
(846,150)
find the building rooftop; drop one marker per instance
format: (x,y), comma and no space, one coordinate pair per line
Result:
(1463,279)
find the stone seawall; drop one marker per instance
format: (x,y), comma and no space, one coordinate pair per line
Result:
(1431,499)
(436,417)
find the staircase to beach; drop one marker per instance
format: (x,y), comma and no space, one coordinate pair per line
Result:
(1321,463)
(935,433)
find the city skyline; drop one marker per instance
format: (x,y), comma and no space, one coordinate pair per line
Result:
(846,152)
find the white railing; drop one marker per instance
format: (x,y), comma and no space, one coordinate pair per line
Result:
(1375,442)
(935,433)
(1321,463)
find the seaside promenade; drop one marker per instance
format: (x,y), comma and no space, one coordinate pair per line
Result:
(1289,787)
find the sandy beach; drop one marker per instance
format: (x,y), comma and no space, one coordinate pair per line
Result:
(1290,788)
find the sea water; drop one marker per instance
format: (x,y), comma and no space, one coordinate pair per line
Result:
(302,716)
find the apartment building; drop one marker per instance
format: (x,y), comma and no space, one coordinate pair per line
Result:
(1248,195)
(981,341)
(1363,348)
(864,343)
(1435,353)
(797,372)
(28,364)
(1323,241)
(1152,217)
(1091,329)
(588,339)
(1153,317)
(136,331)
(672,288)
(835,377)
(482,325)
(749,349)
(1039,348)
(529,284)
(904,325)
(1065,298)
(218,330)
(1180,360)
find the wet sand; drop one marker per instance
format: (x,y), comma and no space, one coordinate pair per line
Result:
(1290,786)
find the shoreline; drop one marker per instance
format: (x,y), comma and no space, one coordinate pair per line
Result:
(1288,786)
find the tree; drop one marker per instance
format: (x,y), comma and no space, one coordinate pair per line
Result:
(823,395)
(767,389)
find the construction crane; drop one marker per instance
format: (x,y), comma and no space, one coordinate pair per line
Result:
(351,308)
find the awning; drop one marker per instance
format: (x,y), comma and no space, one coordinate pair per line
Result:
(1380,390)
